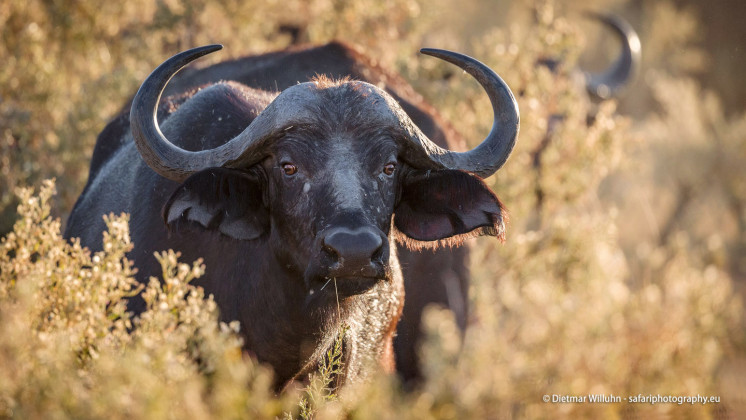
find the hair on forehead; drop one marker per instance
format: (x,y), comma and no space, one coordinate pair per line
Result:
(348,105)
(323,81)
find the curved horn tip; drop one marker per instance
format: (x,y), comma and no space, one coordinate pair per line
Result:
(157,151)
(623,28)
(485,159)
(442,54)
(205,49)
(197,52)
(213,47)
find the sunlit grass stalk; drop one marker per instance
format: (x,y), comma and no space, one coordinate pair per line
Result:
(324,383)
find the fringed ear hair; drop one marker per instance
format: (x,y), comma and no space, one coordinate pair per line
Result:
(444,208)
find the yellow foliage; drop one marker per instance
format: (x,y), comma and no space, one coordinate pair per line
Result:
(66,349)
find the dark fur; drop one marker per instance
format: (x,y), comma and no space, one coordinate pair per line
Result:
(258,230)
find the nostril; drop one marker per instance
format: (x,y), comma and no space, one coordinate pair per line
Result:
(376,244)
(378,253)
(330,249)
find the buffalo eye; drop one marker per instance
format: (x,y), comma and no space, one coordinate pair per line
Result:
(289,168)
(389,168)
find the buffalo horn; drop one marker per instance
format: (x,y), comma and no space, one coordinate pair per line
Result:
(173,162)
(608,83)
(177,164)
(485,159)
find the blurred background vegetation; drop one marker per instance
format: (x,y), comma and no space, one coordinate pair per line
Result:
(625,265)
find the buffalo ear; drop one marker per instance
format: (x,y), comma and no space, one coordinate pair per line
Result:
(227,200)
(445,207)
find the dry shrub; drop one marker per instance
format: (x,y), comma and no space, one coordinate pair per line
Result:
(66,349)
(564,308)
(555,316)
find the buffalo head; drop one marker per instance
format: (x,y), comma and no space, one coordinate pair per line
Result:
(331,173)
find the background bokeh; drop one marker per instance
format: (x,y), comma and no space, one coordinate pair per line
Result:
(625,264)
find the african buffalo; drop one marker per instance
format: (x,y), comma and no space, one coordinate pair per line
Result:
(600,86)
(438,276)
(295,200)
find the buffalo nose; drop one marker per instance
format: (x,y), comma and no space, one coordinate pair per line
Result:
(353,247)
